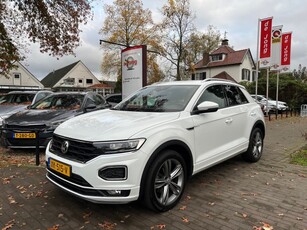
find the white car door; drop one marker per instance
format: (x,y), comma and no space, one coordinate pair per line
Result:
(218,135)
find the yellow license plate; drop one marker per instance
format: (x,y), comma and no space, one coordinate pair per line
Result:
(60,167)
(25,135)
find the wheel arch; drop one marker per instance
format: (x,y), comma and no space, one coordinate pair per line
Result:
(260,124)
(175,145)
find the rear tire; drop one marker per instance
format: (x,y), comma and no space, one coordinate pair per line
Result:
(255,147)
(166,178)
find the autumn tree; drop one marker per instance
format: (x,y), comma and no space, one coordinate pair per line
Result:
(53,24)
(200,43)
(177,26)
(127,23)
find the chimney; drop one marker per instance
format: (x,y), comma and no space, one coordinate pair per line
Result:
(225,42)
(205,58)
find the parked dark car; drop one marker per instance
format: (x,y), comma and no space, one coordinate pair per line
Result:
(41,119)
(113,99)
(16,101)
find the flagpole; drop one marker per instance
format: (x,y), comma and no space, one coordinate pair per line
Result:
(257,61)
(277,82)
(267,91)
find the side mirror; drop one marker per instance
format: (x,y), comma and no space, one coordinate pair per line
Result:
(206,107)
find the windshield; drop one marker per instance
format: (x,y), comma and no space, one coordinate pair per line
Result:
(56,102)
(17,99)
(160,98)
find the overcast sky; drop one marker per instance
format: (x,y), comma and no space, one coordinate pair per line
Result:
(238,18)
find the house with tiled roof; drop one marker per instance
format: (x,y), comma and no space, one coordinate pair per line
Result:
(73,77)
(19,78)
(226,63)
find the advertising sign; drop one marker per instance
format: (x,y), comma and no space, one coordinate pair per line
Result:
(134,68)
(286,51)
(276,47)
(265,42)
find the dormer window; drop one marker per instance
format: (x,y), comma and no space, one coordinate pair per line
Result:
(217,57)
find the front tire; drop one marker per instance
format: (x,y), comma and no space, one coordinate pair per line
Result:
(165,182)
(255,147)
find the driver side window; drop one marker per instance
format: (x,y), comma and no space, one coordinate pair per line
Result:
(215,94)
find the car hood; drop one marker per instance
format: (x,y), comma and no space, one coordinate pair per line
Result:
(10,109)
(36,117)
(112,124)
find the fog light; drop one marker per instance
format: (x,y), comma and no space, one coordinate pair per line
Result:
(121,193)
(113,173)
(114,192)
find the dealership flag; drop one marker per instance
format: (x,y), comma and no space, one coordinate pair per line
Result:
(276,47)
(286,51)
(265,42)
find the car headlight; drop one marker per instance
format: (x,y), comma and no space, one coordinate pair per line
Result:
(120,146)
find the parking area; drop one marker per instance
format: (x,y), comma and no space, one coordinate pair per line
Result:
(231,195)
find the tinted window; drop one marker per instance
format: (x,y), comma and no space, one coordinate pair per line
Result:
(215,94)
(115,98)
(234,95)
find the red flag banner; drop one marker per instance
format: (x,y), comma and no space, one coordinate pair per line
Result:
(265,41)
(286,51)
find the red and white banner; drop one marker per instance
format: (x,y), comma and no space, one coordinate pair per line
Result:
(134,65)
(276,47)
(286,51)
(265,42)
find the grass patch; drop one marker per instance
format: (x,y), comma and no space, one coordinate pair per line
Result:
(300,157)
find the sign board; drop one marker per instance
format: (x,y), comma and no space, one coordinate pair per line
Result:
(134,69)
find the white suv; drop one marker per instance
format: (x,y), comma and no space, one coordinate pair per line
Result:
(148,145)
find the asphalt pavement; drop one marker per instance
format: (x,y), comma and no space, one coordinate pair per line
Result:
(269,194)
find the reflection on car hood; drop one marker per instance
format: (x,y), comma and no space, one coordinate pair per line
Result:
(36,117)
(112,124)
(10,109)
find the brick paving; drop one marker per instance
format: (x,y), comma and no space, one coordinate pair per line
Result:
(232,195)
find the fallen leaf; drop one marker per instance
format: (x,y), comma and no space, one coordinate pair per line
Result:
(54,227)
(161,226)
(299,218)
(107,225)
(185,220)
(183,208)
(280,214)
(211,203)
(9,225)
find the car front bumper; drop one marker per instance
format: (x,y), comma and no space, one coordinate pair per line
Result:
(85,182)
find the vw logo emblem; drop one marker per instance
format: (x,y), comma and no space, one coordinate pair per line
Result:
(64,147)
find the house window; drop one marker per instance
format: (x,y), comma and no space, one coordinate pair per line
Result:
(217,57)
(203,76)
(193,76)
(17,75)
(69,81)
(246,74)
(80,81)
(89,81)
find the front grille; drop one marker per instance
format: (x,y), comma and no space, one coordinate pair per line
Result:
(80,151)
(26,128)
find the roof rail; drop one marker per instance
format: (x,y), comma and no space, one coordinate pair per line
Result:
(217,79)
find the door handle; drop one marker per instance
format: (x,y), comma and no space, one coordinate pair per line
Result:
(228,121)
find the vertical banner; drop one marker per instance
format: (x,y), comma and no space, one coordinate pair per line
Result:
(276,47)
(134,69)
(265,42)
(286,51)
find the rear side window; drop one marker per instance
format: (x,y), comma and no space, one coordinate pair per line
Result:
(234,95)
